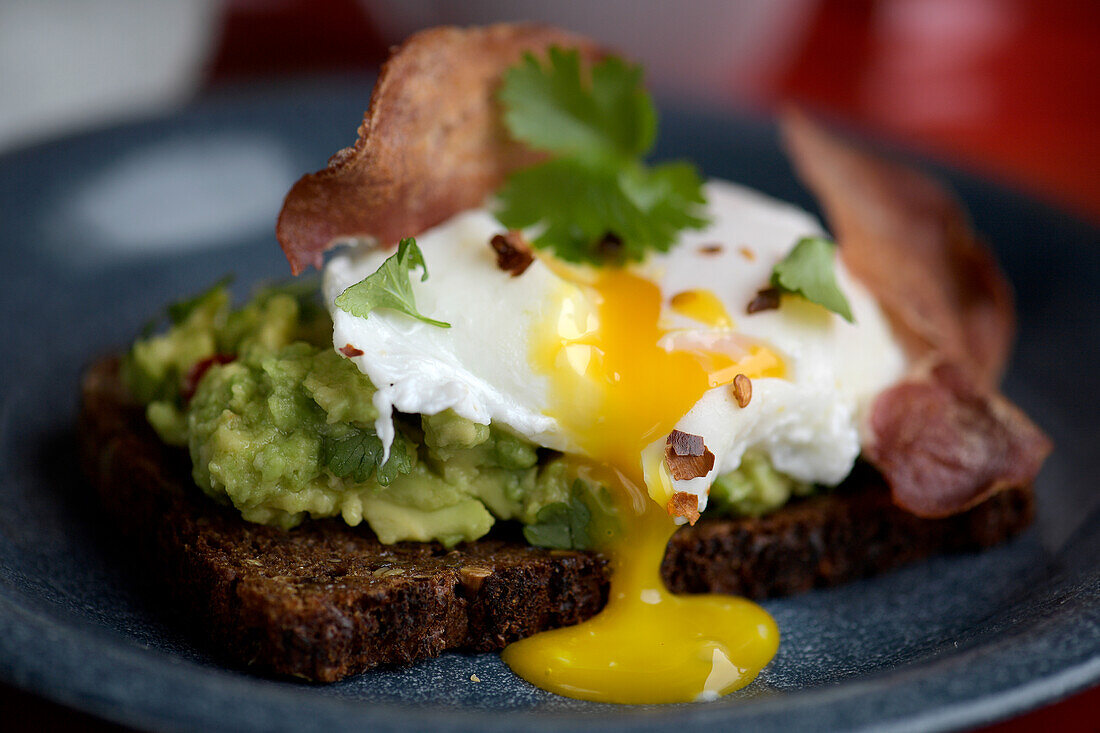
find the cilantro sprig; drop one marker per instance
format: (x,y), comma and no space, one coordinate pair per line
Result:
(389,286)
(551,108)
(807,270)
(359,453)
(595,187)
(562,525)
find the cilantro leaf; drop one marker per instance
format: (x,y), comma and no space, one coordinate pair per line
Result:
(596,189)
(645,208)
(807,270)
(359,453)
(550,108)
(389,286)
(562,525)
(669,194)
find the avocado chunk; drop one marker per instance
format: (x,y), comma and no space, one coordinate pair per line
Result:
(754,489)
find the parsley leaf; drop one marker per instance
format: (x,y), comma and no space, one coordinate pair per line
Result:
(807,270)
(389,286)
(359,453)
(562,525)
(596,188)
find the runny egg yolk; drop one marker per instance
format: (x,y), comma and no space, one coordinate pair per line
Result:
(703,306)
(618,390)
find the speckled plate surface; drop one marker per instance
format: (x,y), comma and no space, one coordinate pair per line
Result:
(98,232)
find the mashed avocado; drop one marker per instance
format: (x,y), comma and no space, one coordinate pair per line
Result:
(281,426)
(754,489)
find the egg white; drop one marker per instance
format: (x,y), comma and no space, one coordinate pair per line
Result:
(808,424)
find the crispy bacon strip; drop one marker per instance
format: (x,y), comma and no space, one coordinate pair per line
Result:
(907,239)
(945,439)
(945,443)
(431,144)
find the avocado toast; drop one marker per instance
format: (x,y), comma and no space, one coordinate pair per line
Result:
(394,422)
(325,600)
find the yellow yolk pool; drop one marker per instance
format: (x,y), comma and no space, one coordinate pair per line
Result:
(647,645)
(616,390)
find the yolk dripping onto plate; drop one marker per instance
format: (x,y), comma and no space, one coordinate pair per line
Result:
(617,388)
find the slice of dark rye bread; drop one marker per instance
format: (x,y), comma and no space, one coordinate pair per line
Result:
(326,600)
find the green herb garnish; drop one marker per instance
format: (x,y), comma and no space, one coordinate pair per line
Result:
(595,197)
(562,525)
(807,270)
(359,455)
(389,286)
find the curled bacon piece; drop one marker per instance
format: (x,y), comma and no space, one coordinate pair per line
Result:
(431,144)
(945,444)
(944,438)
(909,242)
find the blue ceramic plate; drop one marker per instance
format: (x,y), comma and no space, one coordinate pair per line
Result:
(98,232)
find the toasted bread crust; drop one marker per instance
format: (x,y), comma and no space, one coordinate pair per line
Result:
(326,600)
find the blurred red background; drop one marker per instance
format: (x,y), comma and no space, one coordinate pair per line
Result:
(1011,88)
(1008,88)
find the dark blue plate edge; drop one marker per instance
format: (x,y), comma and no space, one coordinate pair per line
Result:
(32,638)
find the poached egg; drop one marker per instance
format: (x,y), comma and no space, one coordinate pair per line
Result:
(603,364)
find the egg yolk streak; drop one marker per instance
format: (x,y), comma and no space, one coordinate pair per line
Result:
(618,391)
(703,306)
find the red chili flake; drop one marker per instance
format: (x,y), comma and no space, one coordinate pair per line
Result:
(766,299)
(747,253)
(350,351)
(513,252)
(683,504)
(710,249)
(198,371)
(610,246)
(686,456)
